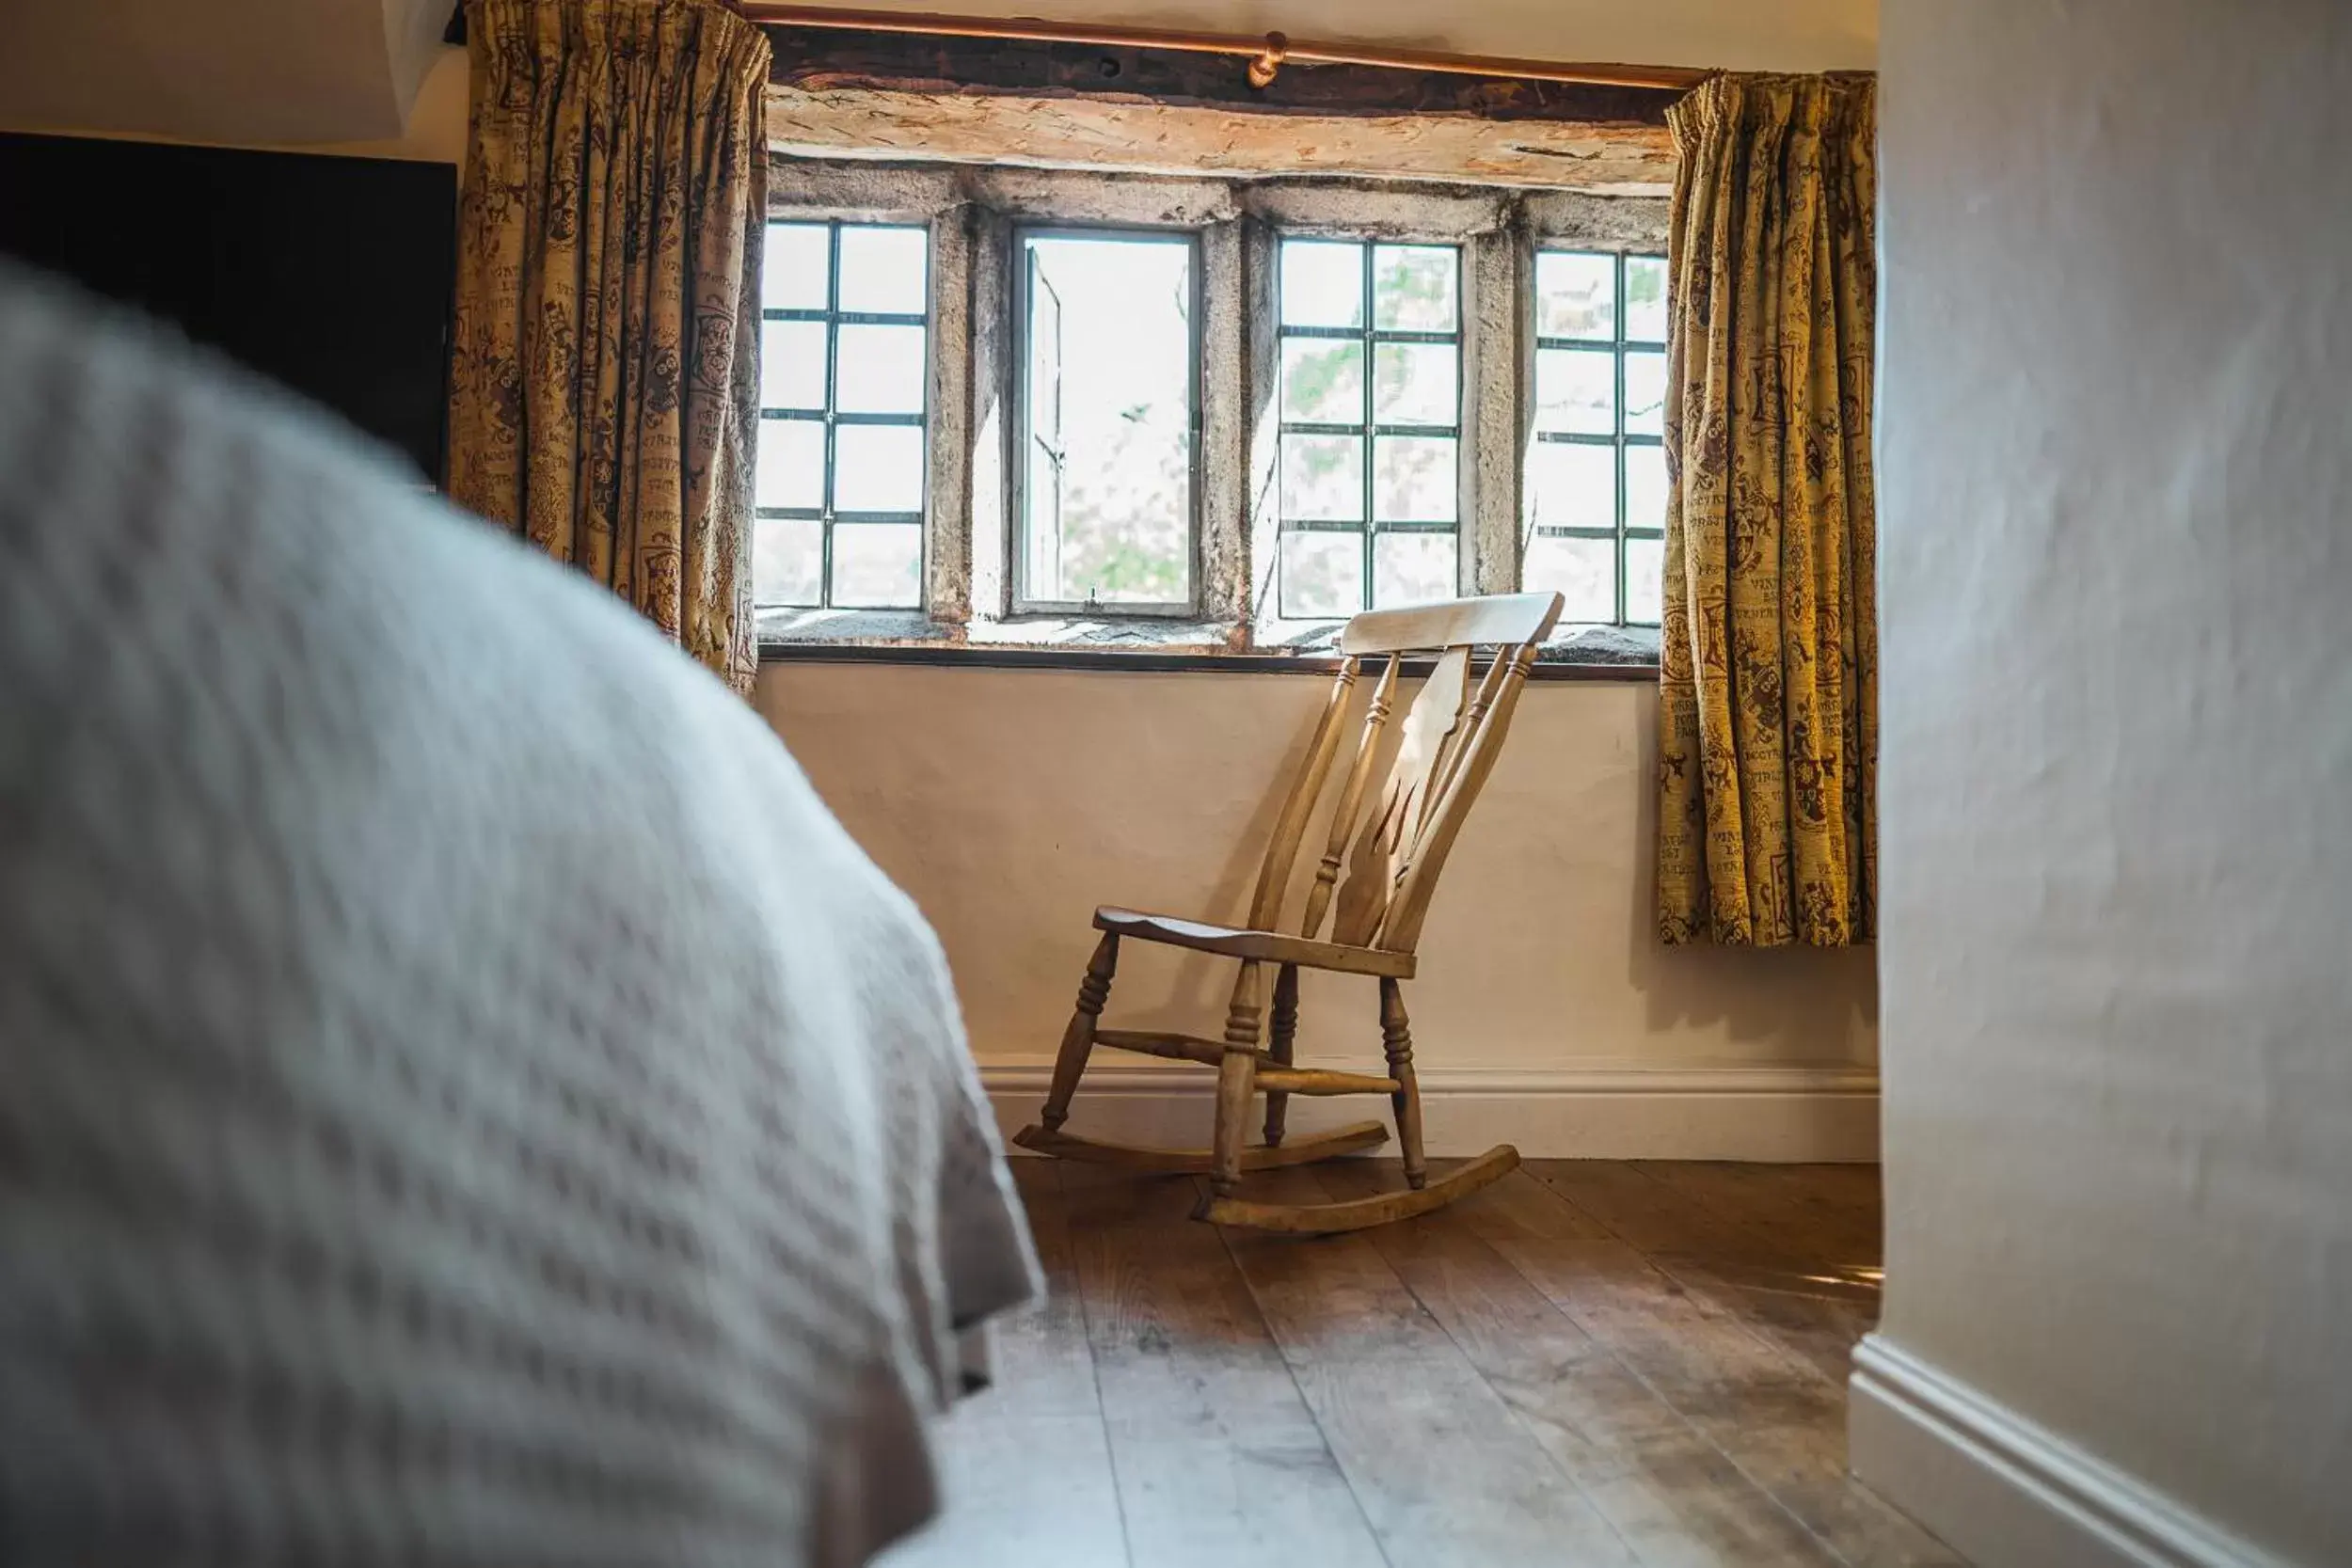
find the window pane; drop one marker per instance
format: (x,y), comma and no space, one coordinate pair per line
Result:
(1413,287)
(788,560)
(793,267)
(884,269)
(1575,295)
(791,463)
(877,467)
(878,566)
(879,371)
(1645,393)
(1575,390)
(1645,298)
(1414,383)
(792,365)
(1108,390)
(1572,485)
(1323,576)
(1643,561)
(1323,478)
(1322,380)
(1646,487)
(1323,283)
(1041,498)
(1411,568)
(1583,570)
(1413,479)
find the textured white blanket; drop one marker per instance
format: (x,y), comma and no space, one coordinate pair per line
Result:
(462,1096)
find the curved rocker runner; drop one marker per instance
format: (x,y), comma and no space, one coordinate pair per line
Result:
(1445,746)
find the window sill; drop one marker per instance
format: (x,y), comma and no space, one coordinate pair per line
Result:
(1101,643)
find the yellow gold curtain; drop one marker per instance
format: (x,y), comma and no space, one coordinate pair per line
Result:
(1767,705)
(604,399)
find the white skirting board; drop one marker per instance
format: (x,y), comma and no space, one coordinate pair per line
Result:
(2005,1492)
(1593,1113)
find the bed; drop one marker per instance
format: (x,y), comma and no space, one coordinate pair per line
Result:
(462,1099)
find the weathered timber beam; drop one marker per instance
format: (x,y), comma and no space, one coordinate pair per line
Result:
(1161,138)
(825,59)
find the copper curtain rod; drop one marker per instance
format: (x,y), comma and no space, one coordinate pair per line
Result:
(1266,55)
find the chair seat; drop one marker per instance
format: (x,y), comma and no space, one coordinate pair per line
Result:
(1236,942)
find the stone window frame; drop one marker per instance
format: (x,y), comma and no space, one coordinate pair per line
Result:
(973,213)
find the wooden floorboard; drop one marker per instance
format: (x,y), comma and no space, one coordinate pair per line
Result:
(1217,1458)
(1588,1363)
(1795,1265)
(1665,1489)
(1026,1465)
(1445,1474)
(1704,1347)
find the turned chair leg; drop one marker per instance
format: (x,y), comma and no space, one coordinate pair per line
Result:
(1278,1045)
(1396,1034)
(1077,1041)
(1236,1076)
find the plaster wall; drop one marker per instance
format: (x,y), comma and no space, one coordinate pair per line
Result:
(1736,35)
(238,73)
(1010,802)
(2116,552)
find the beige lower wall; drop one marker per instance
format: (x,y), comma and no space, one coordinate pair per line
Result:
(1010,802)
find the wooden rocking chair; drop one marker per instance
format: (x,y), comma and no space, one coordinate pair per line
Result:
(1445,746)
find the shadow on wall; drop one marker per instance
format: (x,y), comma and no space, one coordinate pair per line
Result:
(1010,803)
(1759,998)
(1752,994)
(1198,987)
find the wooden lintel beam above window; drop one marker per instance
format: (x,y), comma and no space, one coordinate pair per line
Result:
(824,60)
(1148,137)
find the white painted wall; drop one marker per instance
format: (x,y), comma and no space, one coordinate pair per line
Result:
(1010,802)
(2116,558)
(434,129)
(1739,35)
(233,72)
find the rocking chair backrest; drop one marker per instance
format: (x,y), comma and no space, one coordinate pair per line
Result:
(1444,750)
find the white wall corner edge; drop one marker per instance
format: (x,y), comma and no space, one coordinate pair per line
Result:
(1612,1112)
(2005,1492)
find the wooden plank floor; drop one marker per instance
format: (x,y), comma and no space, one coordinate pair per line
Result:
(1592,1362)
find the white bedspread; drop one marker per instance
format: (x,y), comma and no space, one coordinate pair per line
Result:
(462,1096)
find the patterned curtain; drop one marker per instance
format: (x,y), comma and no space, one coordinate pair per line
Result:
(605,395)
(1768,703)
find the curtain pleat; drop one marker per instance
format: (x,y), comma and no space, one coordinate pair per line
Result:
(1768,719)
(604,378)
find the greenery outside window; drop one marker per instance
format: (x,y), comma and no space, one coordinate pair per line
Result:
(838,495)
(1595,488)
(1200,412)
(1109,416)
(1371,425)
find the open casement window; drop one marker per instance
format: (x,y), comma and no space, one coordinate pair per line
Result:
(1050,406)
(1107,499)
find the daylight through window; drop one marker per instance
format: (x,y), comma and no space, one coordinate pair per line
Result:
(1109,412)
(1008,405)
(844,377)
(1371,425)
(1596,494)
